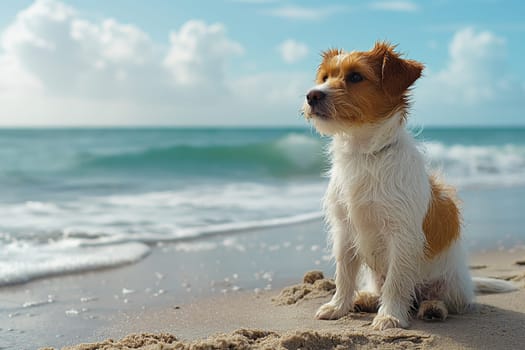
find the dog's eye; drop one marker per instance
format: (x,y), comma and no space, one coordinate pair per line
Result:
(325,78)
(354,77)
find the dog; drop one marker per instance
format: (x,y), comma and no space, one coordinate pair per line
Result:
(387,217)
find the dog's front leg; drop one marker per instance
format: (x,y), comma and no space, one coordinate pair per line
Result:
(404,258)
(346,270)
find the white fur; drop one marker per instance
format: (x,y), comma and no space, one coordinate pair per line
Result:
(324,87)
(340,57)
(375,205)
(492,285)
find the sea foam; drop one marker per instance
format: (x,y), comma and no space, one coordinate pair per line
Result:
(478,166)
(24,261)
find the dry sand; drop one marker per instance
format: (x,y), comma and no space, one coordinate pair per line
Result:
(285,320)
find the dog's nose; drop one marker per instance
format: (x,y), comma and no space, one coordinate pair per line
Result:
(314,96)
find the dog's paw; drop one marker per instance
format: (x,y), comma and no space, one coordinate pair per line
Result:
(381,322)
(366,302)
(331,311)
(432,310)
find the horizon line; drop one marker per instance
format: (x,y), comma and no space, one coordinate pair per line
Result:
(240,127)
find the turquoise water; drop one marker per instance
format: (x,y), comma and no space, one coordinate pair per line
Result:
(83,198)
(63,161)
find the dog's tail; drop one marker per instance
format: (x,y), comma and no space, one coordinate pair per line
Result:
(492,285)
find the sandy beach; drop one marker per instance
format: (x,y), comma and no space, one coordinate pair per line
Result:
(224,293)
(169,170)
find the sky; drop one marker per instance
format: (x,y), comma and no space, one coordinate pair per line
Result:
(247,62)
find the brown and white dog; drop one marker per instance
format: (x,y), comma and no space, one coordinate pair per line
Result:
(386,215)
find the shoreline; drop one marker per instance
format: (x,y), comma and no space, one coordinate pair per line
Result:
(172,274)
(206,234)
(178,286)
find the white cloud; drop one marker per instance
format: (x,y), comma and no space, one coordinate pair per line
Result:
(397,6)
(59,68)
(474,86)
(15,82)
(305,13)
(114,42)
(30,22)
(71,56)
(474,70)
(292,51)
(198,54)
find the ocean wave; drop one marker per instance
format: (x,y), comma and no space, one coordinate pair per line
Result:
(244,155)
(24,260)
(478,166)
(193,233)
(296,154)
(161,212)
(44,238)
(292,154)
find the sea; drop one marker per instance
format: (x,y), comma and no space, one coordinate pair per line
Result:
(81,199)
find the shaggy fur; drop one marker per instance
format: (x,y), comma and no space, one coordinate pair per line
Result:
(385,213)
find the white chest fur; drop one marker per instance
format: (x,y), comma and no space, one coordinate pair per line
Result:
(382,191)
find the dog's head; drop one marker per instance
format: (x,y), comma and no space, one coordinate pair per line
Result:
(359,88)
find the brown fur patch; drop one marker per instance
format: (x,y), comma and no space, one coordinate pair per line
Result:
(442,224)
(432,310)
(366,302)
(397,74)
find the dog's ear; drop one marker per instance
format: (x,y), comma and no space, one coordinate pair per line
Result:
(397,74)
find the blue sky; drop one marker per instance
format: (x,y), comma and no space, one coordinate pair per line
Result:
(227,62)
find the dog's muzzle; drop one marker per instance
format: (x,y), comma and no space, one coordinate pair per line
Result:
(314,97)
(316,104)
